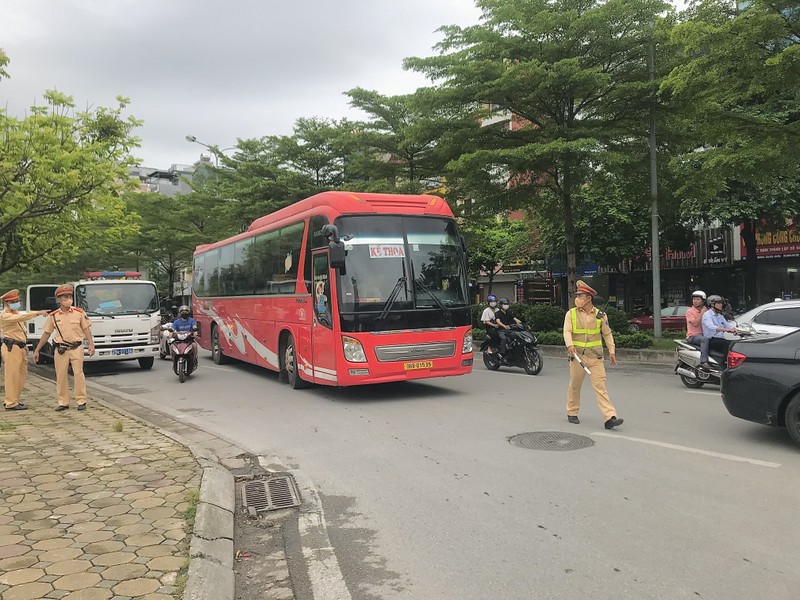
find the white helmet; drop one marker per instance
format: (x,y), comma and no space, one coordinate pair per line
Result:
(699,294)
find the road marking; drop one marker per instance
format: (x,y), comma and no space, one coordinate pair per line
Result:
(214,368)
(752,461)
(701,392)
(324,574)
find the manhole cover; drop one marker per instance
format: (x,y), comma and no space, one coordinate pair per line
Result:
(272,493)
(551,440)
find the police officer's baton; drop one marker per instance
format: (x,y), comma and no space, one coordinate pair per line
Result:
(580,362)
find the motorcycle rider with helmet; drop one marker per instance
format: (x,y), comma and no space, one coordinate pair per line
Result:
(505,319)
(489,320)
(186,323)
(714,326)
(694,321)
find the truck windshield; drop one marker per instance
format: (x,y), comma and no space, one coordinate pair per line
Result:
(395,266)
(111,298)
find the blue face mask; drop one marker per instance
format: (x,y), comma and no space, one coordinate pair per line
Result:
(15,305)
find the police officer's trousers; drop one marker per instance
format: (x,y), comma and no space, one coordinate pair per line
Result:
(15,372)
(598,378)
(62,362)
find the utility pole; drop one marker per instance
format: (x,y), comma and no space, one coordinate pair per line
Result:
(655,253)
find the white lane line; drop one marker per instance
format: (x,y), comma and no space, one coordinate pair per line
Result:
(701,392)
(752,461)
(204,367)
(327,581)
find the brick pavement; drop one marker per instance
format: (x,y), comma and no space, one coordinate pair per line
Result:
(88,511)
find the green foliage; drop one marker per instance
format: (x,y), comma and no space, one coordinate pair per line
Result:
(617,320)
(550,338)
(492,242)
(61,173)
(633,340)
(540,317)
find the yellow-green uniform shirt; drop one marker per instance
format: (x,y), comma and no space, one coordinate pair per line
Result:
(11,324)
(588,321)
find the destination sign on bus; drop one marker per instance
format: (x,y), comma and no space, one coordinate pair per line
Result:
(387,251)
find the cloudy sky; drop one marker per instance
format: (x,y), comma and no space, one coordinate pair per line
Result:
(217,70)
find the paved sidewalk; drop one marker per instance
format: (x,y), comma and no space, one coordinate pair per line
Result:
(91,503)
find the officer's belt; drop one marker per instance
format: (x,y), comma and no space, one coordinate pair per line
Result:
(11,342)
(64,346)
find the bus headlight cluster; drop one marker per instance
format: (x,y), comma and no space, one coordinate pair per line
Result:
(353,351)
(466,347)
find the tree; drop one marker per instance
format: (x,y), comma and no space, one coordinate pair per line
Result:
(61,174)
(493,241)
(571,75)
(741,86)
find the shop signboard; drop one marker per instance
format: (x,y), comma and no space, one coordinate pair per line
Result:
(783,243)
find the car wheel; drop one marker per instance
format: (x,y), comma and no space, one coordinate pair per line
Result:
(792,418)
(633,327)
(691,382)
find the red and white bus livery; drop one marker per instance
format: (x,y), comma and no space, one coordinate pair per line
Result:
(340,289)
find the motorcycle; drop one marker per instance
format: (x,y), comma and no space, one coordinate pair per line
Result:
(688,367)
(522,351)
(164,342)
(184,361)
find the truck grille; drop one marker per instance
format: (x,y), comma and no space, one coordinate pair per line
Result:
(415,351)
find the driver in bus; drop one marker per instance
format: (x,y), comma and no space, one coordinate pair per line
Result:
(184,322)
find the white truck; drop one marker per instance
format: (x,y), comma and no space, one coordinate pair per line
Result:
(124,311)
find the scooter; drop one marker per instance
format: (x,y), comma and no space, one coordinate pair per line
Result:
(522,351)
(184,361)
(688,367)
(164,343)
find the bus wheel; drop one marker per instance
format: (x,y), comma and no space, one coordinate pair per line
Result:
(290,364)
(146,363)
(216,348)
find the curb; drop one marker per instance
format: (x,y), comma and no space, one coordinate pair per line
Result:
(210,575)
(651,357)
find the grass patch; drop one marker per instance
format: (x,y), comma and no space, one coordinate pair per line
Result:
(663,344)
(193,498)
(117,426)
(180,582)
(6,426)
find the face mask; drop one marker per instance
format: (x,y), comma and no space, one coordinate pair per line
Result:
(184,317)
(504,306)
(15,305)
(492,304)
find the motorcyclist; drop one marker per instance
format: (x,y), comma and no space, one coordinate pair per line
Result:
(694,321)
(489,320)
(505,319)
(183,323)
(714,326)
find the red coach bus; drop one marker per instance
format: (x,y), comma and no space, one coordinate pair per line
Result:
(340,289)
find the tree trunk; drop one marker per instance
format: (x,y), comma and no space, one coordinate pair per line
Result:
(569,236)
(750,264)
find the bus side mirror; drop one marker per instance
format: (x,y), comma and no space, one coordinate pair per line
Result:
(337,253)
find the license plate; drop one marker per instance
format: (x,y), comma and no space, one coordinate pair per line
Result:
(420,364)
(122,351)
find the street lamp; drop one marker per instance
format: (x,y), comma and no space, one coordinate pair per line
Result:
(214,149)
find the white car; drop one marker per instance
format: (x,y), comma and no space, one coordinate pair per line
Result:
(775,318)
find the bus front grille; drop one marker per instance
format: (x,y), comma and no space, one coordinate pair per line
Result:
(415,351)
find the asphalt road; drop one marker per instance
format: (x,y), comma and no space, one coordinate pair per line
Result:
(425,497)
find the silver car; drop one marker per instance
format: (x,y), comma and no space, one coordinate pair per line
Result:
(775,318)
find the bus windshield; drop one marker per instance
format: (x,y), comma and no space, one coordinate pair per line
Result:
(398,264)
(112,299)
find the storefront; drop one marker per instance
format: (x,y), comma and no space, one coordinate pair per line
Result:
(778,255)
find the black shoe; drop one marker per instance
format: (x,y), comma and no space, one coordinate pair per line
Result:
(17,407)
(574,419)
(59,408)
(614,422)
(706,366)
(81,407)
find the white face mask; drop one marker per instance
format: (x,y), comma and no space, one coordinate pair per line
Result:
(492,304)
(15,305)
(505,306)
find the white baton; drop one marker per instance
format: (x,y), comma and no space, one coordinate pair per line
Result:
(580,362)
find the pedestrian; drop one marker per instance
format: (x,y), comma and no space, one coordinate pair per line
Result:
(585,328)
(15,348)
(71,326)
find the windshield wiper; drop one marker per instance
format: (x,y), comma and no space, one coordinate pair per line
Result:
(435,298)
(392,297)
(92,313)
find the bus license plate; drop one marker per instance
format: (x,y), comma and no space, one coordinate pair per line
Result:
(122,351)
(420,364)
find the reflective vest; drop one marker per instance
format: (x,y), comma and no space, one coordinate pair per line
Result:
(594,338)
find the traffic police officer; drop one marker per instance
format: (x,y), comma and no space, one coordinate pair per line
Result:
(72,326)
(15,348)
(584,332)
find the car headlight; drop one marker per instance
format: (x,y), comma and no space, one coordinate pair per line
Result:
(353,351)
(155,334)
(466,347)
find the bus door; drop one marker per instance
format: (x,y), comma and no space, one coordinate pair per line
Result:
(323,339)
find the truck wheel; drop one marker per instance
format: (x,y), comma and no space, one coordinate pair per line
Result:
(146,363)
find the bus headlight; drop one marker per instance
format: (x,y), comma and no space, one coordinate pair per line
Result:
(466,347)
(155,334)
(353,351)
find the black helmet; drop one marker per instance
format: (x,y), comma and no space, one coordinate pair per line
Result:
(504,301)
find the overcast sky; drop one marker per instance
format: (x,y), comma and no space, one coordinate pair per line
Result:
(218,70)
